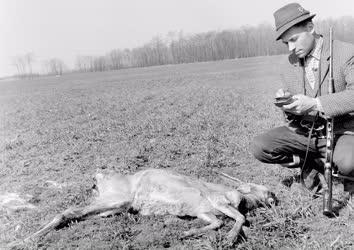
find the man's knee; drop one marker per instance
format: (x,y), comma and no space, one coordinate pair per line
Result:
(345,164)
(274,146)
(263,148)
(259,147)
(344,156)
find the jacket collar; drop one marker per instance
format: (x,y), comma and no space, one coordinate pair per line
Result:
(317,50)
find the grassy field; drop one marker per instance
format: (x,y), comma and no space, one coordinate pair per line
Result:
(191,118)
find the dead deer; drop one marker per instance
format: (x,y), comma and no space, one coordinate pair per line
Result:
(162,192)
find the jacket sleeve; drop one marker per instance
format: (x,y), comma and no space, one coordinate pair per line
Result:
(342,102)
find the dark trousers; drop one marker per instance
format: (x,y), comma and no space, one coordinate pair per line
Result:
(278,145)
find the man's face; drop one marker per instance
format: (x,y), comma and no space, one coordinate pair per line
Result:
(299,40)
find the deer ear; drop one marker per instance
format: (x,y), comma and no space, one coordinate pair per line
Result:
(245,189)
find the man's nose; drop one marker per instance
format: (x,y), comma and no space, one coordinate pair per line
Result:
(291,46)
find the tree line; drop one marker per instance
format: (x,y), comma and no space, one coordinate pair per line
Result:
(175,48)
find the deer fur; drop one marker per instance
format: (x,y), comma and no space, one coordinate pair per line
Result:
(162,192)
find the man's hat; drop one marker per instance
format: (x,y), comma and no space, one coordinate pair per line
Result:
(288,16)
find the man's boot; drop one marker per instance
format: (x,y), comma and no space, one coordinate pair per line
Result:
(309,174)
(349,187)
(311,179)
(294,163)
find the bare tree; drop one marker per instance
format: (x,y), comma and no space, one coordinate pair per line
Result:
(100,64)
(20,65)
(115,59)
(23,64)
(29,59)
(54,66)
(84,63)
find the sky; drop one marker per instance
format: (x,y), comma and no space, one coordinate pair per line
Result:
(67,28)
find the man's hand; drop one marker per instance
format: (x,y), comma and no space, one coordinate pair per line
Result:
(301,105)
(281,93)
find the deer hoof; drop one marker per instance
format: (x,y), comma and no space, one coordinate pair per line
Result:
(231,238)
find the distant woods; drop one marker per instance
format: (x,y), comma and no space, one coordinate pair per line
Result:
(177,48)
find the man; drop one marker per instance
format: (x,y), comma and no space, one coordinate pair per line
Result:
(307,83)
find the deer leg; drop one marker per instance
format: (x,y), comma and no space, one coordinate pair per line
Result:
(110,213)
(214,223)
(239,221)
(80,213)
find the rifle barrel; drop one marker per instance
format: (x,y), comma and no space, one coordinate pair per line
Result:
(327,192)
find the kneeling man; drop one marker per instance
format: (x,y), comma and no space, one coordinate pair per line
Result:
(307,99)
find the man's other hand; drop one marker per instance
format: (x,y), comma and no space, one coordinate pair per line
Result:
(301,105)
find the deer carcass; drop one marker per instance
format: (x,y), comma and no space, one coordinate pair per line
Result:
(162,192)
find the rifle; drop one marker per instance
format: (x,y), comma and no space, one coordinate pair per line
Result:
(328,167)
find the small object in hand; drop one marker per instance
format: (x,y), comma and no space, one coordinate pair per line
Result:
(286,99)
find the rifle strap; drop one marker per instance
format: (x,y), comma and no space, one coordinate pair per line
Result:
(304,167)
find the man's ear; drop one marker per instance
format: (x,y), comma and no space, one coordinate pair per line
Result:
(309,26)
